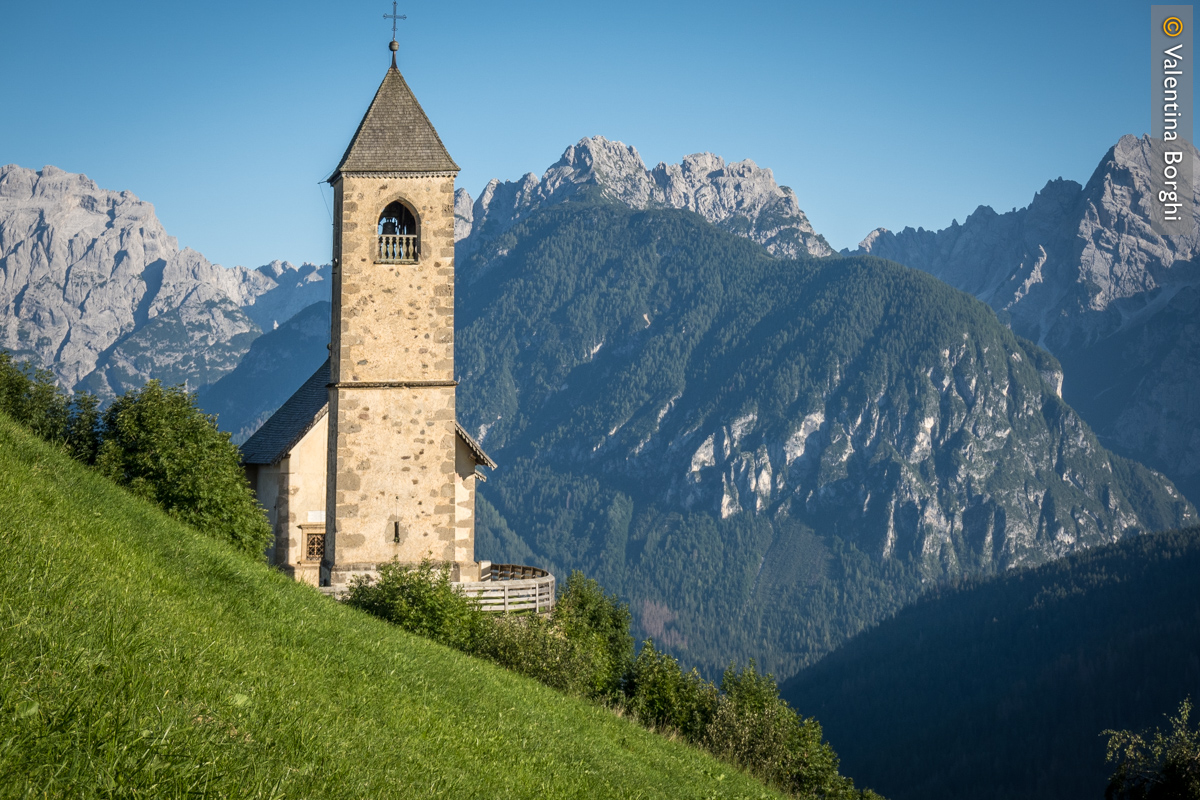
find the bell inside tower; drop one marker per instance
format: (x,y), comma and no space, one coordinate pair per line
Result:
(398,239)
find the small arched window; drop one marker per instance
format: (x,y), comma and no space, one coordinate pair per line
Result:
(399,242)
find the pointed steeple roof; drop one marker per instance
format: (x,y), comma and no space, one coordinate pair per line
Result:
(395,136)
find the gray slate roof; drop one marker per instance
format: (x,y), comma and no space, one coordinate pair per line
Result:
(287,426)
(480,456)
(395,135)
(271,443)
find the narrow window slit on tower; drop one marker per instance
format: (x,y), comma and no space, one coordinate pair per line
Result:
(396,536)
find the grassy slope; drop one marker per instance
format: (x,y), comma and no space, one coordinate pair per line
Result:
(161,663)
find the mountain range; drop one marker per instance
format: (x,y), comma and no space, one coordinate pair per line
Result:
(740,197)
(93,288)
(766,455)
(764,446)
(1081,272)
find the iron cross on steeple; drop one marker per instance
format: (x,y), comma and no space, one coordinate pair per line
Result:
(394,17)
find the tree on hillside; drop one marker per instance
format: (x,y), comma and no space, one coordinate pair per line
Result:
(586,612)
(31,397)
(82,432)
(1165,766)
(156,442)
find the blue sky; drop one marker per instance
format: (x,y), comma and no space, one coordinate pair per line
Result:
(227,115)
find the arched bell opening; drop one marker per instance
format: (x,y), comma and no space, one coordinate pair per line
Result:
(399,241)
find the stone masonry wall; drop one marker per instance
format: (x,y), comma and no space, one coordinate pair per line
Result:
(464,510)
(395,488)
(392,448)
(397,320)
(301,501)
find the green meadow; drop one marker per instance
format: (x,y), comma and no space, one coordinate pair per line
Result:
(139,658)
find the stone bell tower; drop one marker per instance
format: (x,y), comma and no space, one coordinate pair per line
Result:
(391,481)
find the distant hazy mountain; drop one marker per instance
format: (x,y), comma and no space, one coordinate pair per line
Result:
(92,287)
(741,197)
(273,368)
(766,455)
(1081,272)
(1000,689)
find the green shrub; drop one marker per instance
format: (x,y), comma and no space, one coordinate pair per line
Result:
(661,695)
(541,649)
(1165,766)
(573,651)
(82,433)
(156,442)
(31,397)
(598,623)
(757,730)
(420,600)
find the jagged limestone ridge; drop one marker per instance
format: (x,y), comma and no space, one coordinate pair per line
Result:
(84,271)
(1075,249)
(740,197)
(1081,271)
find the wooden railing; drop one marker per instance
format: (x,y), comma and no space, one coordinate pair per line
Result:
(397,249)
(507,588)
(512,572)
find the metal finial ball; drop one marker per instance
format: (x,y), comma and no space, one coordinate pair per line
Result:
(393,45)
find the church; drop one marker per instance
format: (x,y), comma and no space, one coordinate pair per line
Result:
(366,462)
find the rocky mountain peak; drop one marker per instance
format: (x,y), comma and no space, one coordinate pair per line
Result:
(87,274)
(594,160)
(1121,254)
(867,245)
(1073,249)
(740,197)
(1081,272)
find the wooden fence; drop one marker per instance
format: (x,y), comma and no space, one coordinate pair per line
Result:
(505,588)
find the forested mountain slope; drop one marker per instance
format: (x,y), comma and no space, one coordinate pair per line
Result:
(274,367)
(1000,688)
(1082,272)
(766,455)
